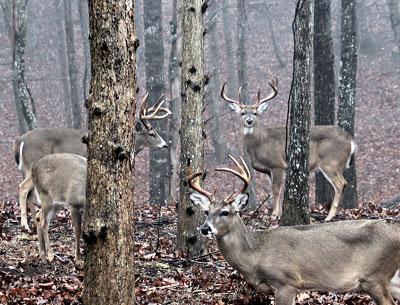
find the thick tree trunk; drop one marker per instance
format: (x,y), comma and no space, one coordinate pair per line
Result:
(394,12)
(84,22)
(324,85)
(175,91)
(191,132)
(109,229)
(72,69)
(347,91)
(295,202)
(154,58)
(22,93)
(64,66)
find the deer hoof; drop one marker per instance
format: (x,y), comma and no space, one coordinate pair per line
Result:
(50,257)
(78,264)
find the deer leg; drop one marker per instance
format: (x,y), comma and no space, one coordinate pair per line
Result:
(338,182)
(285,296)
(276,181)
(379,292)
(42,246)
(46,214)
(23,190)
(77,222)
(394,286)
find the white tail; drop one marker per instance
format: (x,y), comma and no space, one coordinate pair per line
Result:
(331,148)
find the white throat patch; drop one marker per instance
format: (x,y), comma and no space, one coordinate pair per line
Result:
(248,130)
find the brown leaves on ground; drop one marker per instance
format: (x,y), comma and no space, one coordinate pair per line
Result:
(163,276)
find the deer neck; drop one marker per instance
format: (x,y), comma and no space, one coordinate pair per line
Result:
(237,246)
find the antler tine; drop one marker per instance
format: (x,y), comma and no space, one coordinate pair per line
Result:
(240,94)
(198,188)
(243,173)
(144,106)
(226,98)
(157,108)
(274,86)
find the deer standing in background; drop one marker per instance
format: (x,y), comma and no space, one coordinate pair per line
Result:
(39,142)
(331,149)
(59,179)
(357,255)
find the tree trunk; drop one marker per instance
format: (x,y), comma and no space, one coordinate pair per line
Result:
(217,138)
(154,59)
(295,202)
(72,69)
(64,66)
(192,146)
(324,85)
(83,18)
(22,93)
(109,229)
(175,91)
(347,91)
(394,14)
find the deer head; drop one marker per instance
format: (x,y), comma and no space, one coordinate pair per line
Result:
(249,113)
(221,214)
(146,135)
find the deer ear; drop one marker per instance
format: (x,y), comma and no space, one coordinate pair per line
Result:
(202,201)
(262,107)
(235,107)
(240,202)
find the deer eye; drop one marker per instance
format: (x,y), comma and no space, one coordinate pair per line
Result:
(152,133)
(242,113)
(224,213)
(206,212)
(255,113)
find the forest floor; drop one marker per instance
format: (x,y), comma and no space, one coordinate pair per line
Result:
(163,276)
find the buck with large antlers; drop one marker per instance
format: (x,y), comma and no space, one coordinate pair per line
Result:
(331,148)
(359,255)
(39,142)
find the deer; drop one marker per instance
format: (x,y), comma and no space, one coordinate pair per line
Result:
(59,179)
(331,148)
(39,142)
(342,256)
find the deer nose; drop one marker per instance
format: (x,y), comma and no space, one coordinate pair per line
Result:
(205,230)
(249,121)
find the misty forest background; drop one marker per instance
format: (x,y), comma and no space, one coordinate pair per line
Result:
(57,66)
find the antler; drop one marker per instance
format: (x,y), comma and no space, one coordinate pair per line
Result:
(198,188)
(226,98)
(151,113)
(243,173)
(274,86)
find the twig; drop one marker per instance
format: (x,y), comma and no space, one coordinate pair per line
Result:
(158,230)
(252,215)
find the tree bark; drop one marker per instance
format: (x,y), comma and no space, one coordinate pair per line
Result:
(324,85)
(72,69)
(295,202)
(192,146)
(347,91)
(109,229)
(217,138)
(154,59)
(243,77)
(21,90)
(175,90)
(394,14)
(83,18)
(64,66)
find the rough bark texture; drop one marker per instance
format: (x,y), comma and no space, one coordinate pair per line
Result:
(64,66)
(192,146)
(84,22)
(175,90)
(295,202)
(347,91)
(324,85)
(243,77)
(22,93)
(277,51)
(154,59)
(72,69)
(394,14)
(109,229)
